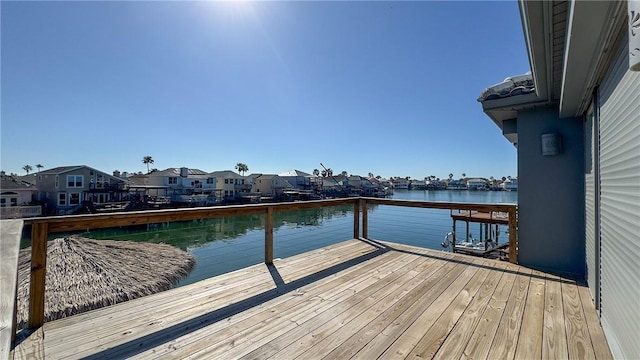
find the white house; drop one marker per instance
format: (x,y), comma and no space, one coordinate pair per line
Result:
(16,197)
(184,186)
(510,184)
(477,184)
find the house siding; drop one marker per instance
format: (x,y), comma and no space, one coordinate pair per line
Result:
(550,197)
(620,206)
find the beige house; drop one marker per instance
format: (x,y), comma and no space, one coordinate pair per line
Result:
(268,184)
(230,185)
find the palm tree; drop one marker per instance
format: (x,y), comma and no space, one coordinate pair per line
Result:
(147,160)
(27,168)
(344,173)
(242,167)
(329,172)
(39,166)
(464,175)
(450,176)
(316,172)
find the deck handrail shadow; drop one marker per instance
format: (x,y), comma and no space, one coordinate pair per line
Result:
(147,342)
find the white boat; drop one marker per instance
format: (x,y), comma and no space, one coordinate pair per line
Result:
(472,244)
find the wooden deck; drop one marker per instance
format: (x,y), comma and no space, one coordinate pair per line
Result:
(356,299)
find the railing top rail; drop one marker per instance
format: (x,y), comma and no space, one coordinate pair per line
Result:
(484,207)
(95,221)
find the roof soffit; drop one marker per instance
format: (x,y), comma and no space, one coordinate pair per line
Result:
(591,30)
(535,18)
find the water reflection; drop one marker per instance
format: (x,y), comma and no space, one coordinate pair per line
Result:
(194,233)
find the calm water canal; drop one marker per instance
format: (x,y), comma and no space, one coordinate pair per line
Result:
(226,244)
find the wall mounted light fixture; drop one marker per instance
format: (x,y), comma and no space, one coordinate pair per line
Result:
(551,144)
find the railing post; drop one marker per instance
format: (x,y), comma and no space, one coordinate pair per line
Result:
(268,236)
(365,219)
(39,234)
(356,218)
(513,229)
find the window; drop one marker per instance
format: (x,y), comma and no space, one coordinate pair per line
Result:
(210,181)
(74,199)
(173,180)
(242,181)
(62,199)
(226,181)
(57,181)
(75,181)
(3,202)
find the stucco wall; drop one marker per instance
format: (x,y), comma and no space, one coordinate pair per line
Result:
(551,194)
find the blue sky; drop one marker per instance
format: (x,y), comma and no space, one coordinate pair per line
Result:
(382,87)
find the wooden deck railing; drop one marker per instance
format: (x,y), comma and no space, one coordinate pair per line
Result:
(42,227)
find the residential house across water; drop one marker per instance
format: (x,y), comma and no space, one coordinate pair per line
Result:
(185,186)
(17,197)
(510,184)
(301,180)
(268,187)
(477,184)
(230,185)
(64,190)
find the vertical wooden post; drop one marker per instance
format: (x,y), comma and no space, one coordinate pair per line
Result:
(39,234)
(356,219)
(453,243)
(365,220)
(513,233)
(268,236)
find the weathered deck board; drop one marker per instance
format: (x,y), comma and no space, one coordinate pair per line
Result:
(600,345)
(505,342)
(554,335)
(356,299)
(580,345)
